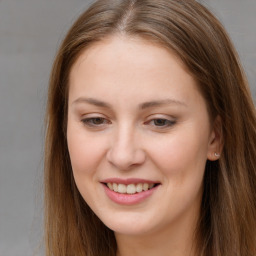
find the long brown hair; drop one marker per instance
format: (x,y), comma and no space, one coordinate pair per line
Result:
(227,224)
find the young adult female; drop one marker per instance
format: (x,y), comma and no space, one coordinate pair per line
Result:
(150,146)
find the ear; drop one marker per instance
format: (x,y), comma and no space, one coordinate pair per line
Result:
(215,145)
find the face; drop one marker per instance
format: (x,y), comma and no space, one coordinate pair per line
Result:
(138,135)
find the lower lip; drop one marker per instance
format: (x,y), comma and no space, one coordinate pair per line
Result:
(129,199)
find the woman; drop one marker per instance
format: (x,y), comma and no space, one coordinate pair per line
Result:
(150,146)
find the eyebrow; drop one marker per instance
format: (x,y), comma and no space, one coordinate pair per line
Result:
(159,103)
(149,104)
(92,101)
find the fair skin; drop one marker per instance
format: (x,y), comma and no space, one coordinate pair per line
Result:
(135,116)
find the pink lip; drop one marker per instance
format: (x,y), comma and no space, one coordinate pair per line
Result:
(128,199)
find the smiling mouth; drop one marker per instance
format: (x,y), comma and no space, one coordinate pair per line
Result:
(130,188)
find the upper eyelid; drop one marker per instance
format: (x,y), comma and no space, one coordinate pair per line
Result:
(93,115)
(161,116)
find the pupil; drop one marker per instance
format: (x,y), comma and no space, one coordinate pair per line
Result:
(160,122)
(97,120)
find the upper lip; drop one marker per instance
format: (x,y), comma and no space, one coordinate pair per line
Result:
(128,181)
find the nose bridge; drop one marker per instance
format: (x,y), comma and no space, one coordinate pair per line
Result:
(125,150)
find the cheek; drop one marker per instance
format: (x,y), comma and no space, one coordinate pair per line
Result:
(181,155)
(85,151)
(181,160)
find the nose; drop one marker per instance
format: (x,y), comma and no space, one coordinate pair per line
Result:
(125,151)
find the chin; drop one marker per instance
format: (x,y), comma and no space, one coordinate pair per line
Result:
(130,231)
(133,226)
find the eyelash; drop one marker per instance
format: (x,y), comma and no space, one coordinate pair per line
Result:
(90,122)
(167,123)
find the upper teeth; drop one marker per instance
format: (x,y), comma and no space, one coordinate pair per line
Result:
(131,188)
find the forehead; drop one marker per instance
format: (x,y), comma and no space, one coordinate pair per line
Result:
(125,49)
(124,65)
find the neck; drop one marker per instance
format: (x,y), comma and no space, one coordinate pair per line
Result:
(175,240)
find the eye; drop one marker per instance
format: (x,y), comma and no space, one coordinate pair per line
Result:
(95,121)
(161,123)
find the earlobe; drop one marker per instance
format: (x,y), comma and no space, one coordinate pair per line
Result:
(216,140)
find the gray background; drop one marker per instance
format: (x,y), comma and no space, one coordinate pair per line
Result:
(30,32)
